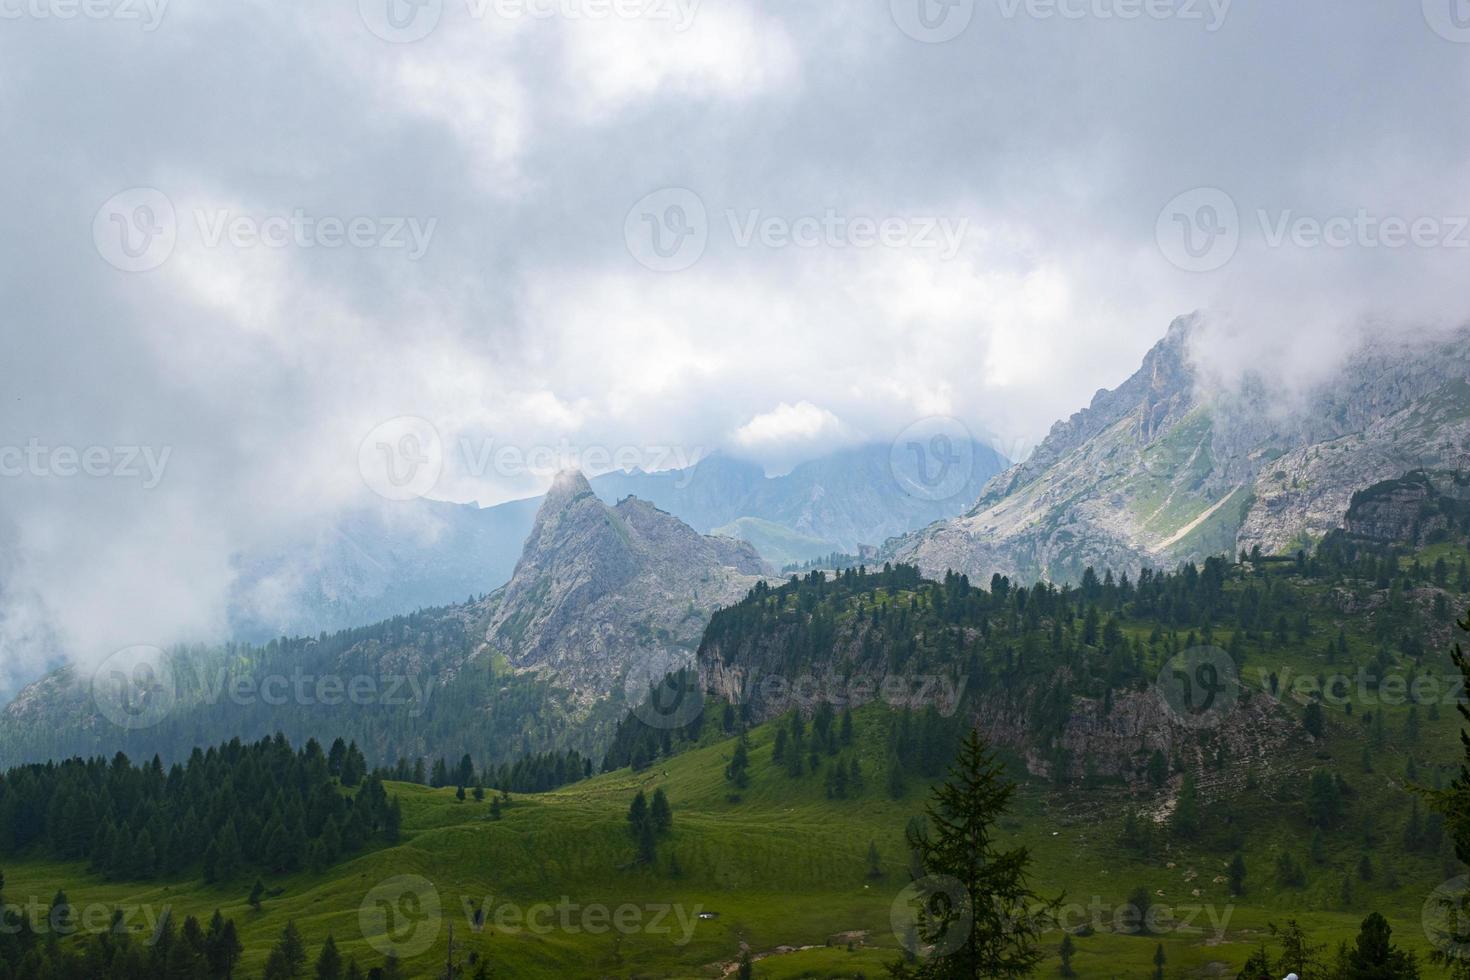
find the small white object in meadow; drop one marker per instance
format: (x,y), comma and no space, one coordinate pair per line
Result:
(1292,976)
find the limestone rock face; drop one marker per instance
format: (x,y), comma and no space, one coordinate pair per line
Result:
(1164,469)
(598,587)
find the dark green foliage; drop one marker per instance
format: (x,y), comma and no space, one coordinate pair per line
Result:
(1237,875)
(483,711)
(186,952)
(135,823)
(1375,957)
(1005,918)
(287,959)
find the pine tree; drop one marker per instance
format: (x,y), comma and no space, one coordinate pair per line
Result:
(256,891)
(1374,956)
(1065,953)
(1005,918)
(739,763)
(287,957)
(329,963)
(661,813)
(875,863)
(1237,875)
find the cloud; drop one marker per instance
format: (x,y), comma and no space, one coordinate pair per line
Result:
(529,323)
(789,433)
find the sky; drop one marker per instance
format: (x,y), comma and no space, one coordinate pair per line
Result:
(252,246)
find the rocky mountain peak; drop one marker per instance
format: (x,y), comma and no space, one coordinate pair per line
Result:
(598,587)
(1154,472)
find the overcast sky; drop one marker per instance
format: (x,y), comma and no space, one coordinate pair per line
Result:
(476,192)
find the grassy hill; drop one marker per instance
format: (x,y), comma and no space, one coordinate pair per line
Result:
(784,868)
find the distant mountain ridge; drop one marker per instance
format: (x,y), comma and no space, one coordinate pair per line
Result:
(1159,470)
(539,664)
(386,560)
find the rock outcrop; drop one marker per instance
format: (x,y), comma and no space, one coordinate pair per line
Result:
(599,587)
(1162,470)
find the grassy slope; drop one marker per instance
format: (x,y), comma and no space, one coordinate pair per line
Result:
(786,866)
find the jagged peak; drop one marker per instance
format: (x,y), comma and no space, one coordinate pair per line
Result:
(566,487)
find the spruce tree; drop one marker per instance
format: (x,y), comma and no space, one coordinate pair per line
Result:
(1001,917)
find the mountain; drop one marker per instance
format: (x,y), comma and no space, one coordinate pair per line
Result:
(376,562)
(779,545)
(385,560)
(599,588)
(538,665)
(1166,468)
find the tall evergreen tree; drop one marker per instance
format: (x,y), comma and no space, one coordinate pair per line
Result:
(994,905)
